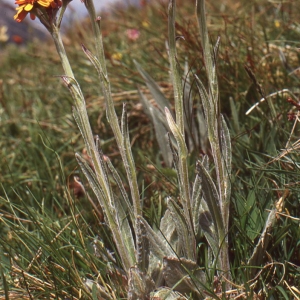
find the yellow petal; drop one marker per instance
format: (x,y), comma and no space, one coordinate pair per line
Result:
(28,7)
(44,3)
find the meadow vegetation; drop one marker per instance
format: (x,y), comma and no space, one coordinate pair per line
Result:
(211,210)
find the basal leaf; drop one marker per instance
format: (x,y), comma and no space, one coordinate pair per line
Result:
(184,275)
(195,203)
(211,197)
(126,202)
(185,234)
(158,96)
(142,248)
(167,294)
(157,242)
(162,139)
(168,229)
(140,285)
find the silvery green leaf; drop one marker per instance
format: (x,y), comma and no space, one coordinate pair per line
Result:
(126,202)
(128,161)
(142,247)
(124,129)
(147,106)
(182,150)
(208,228)
(207,49)
(202,218)
(168,229)
(155,270)
(121,208)
(126,146)
(183,176)
(201,133)
(207,104)
(174,153)
(214,250)
(124,229)
(97,289)
(186,235)
(160,125)
(189,120)
(101,252)
(140,285)
(157,243)
(167,294)
(94,60)
(216,51)
(211,197)
(78,120)
(184,275)
(95,185)
(196,191)
(226,152)
(104,174)
(199,206)
(119,227)
(74,89)
(195,203)
(158,96)
(205,162)
(161,136)
(205,220)
(175,68)
(188,93)
(79,112)
(226,159)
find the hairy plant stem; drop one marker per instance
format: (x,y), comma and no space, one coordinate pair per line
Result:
(55,32)
(123,145)
(126,255)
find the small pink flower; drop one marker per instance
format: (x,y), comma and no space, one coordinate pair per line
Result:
(133,34)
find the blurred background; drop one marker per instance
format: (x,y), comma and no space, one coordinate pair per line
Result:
(11,32)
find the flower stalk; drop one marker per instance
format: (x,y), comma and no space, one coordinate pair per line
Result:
(98,178)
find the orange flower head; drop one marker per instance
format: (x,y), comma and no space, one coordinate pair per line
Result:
(23,9)
(28,6)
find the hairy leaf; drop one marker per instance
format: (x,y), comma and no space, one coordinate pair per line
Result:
(142,247)
(157,242)
(140,285)
(186,236)
(183,275)
(158,96)
(168,229)
(167,294)
(212,199)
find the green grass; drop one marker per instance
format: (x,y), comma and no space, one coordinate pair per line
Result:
(51,240)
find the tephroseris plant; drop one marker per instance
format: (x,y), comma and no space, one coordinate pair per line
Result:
(54,245)
(207,203)
(150,259)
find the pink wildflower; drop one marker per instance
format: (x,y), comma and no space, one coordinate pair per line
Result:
(133,34)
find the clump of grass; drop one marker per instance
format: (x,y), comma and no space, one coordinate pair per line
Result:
(134,247)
